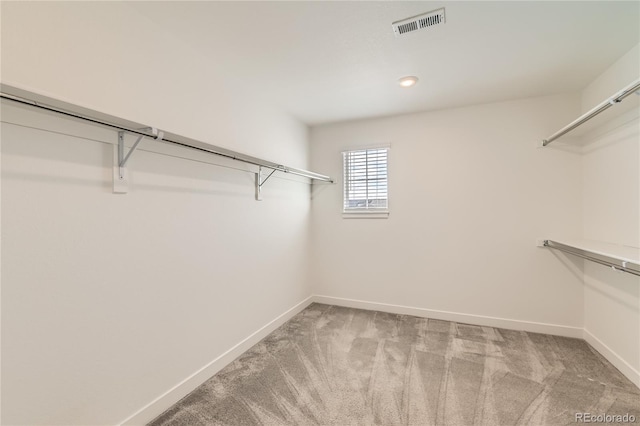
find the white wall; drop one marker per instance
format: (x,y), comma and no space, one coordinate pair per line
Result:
(611,211)
(621,73)
(108,301)
(110,57)
(469,194)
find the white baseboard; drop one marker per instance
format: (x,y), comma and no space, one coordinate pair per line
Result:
(615,359)
(179,391)
(534,327)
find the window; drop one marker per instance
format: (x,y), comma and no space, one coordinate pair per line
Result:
(365,181)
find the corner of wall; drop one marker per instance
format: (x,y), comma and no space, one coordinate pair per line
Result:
(620,73)
(180,390)
(611,308)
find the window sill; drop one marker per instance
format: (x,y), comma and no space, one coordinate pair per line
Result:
(365,215)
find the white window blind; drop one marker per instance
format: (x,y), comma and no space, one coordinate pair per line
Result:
(365,180)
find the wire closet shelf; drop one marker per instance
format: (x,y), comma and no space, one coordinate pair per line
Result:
(603,106)
(606,257)
(41,102)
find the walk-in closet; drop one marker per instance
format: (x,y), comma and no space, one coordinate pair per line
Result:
(320,213)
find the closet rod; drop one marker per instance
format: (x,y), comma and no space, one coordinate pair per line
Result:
(134,128)
(617,98)
(622,267)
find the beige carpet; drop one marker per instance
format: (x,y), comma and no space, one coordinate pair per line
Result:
(340,366)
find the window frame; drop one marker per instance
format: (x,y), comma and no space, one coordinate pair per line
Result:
(364,213)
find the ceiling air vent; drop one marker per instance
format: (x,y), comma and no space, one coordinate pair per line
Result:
(419,22)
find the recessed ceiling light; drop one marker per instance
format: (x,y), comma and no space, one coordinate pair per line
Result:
(408,81)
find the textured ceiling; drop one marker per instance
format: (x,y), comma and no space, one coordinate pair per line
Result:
(333,61)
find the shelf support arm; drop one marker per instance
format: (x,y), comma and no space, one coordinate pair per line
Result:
(260,182)
(121,157)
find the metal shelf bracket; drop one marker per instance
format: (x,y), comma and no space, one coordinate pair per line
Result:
(120,176)
(260,182)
